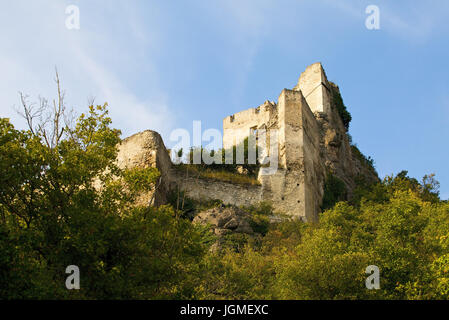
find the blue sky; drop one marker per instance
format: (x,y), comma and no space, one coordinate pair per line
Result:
(163,64)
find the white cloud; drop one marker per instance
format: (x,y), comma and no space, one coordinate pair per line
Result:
(90,62)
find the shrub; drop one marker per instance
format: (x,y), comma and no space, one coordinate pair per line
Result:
(345,116)
(334,191)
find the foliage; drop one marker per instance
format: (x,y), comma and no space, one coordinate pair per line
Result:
(396,228)
(366,162)
(230,275)
(219,175)
(187,207)
(334,191)
(239,173)
(260,220)
(63,201)
(344,114)
(66,202)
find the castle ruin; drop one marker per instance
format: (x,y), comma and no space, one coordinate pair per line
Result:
(311,141)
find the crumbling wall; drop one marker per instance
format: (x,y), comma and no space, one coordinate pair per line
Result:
(315,88)
(237,127)
(311,140)
(208,189)
(314,171)
(290,137)
(144,150)
(299,157)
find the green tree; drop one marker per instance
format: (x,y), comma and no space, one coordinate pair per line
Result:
(64,201)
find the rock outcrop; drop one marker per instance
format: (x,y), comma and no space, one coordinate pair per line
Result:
(225,219)
(144,150)
(225,222)
(336,150)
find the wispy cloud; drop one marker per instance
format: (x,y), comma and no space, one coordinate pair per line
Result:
(126,108)
(245,25)
(412,23)
(90,62)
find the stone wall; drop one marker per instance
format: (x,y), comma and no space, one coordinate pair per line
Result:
(315,88)
(209,189)
(291,152)
(311,140)
(314,171)
(237,127)
(299,155)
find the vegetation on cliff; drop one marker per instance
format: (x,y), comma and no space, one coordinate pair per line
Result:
(243,173)
(334,191)
(400,226)
(343,112)
(64,202)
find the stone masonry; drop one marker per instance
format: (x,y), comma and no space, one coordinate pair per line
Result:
(311,140)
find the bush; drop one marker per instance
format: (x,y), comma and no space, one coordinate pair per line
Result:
(260,220)
(334,191)
(344,114)
(222,171)
(367,162)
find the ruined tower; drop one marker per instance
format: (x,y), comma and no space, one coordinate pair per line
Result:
(297,186)
(311,142)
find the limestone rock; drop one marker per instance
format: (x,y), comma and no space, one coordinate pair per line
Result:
(332,138)
(242,170)
(146,149)
(224,220)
